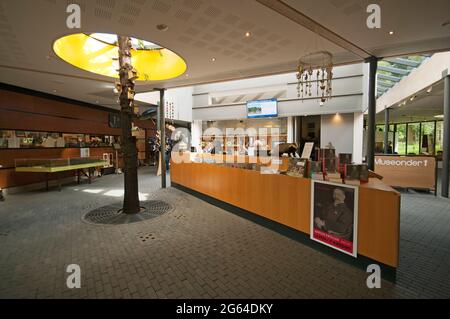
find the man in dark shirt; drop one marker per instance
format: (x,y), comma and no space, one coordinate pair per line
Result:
(337,218)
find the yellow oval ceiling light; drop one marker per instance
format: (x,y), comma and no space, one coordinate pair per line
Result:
(98,53)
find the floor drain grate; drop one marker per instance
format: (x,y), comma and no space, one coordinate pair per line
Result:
(146,237)
(111,214)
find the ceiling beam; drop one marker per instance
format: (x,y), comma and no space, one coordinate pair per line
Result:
(385,84)
(312,25)
(406,62)
(393,70)
(389,77)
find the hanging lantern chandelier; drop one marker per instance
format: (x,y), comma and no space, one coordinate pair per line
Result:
(316,68)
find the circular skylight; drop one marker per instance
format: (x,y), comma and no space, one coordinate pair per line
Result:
(136,44)
(98,53)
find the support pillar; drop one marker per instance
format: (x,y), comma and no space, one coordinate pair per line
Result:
(372,105)
(386,131)
(162,130)
(446,146)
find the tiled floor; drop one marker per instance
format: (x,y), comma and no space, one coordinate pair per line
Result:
(198,251)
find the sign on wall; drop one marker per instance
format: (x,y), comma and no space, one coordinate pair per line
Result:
(307,150)
(407,171)
(334,216)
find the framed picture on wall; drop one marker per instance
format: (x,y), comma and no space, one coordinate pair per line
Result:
(334,216)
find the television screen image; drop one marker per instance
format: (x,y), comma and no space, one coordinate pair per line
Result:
(262,108)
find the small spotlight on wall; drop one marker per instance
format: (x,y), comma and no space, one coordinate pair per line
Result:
(430,89)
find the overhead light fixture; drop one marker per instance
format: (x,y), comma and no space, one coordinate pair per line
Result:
(315,67)
(412,98)
(247,34)
(391,32)
(439,116)
(430,89)
(213,59)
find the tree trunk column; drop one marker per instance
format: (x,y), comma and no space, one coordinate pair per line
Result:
(131,196)
(162,123)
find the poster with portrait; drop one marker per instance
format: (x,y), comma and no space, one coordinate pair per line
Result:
(334,216)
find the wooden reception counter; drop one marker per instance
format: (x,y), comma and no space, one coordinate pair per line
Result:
(287,200)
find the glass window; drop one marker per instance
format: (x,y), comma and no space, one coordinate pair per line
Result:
(379,139)
(427,138)
(439,137)
(413,139)
(400,139)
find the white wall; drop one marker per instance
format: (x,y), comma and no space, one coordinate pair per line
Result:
(347,95)
(358,128)
(180,97)
(196,134)
(290,129)
(338,129)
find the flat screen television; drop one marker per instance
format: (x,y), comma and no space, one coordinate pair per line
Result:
(262,108)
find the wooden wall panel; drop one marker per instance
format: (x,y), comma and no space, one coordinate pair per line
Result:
(20,111)
(9,177)
(13,120)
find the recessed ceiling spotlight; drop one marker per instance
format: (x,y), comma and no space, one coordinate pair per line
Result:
(247,34)
(54,91)
(391,32)
(213,59)
(162,27)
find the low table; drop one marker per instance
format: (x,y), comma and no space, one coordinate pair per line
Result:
(80,168)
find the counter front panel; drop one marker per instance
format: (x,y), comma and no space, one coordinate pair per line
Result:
(287,200)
